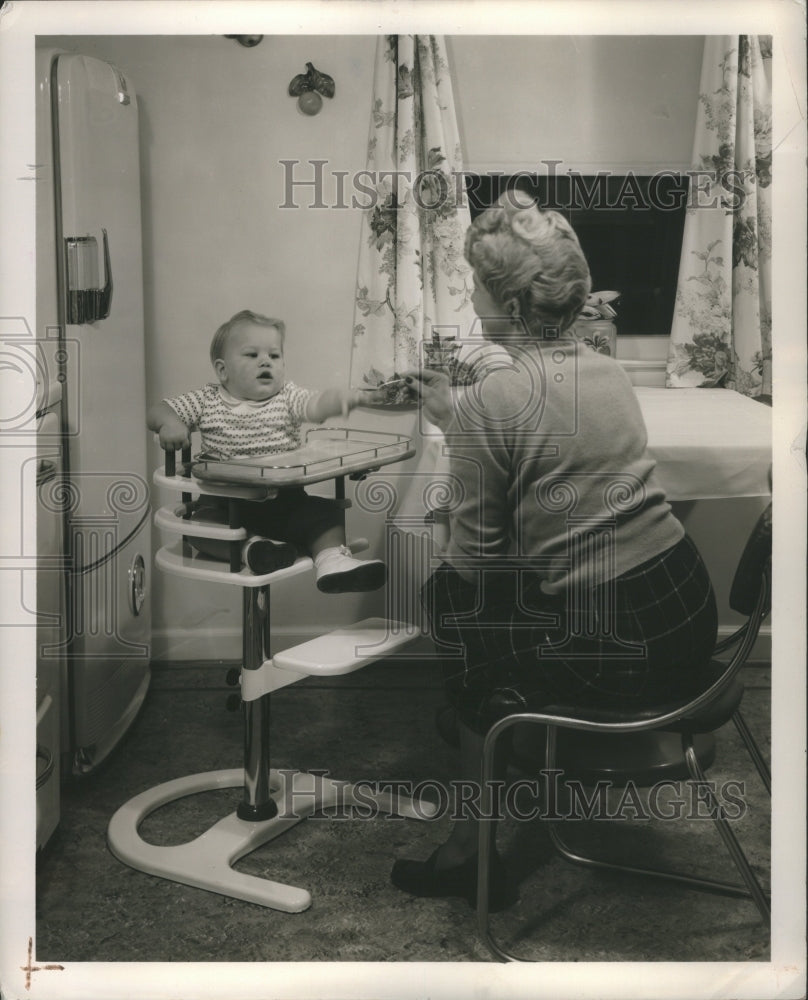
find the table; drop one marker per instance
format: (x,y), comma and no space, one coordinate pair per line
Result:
(709,444)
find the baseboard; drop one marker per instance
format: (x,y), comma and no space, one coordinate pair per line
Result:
(647,373)
(224,644)
(761,651)
(210,645)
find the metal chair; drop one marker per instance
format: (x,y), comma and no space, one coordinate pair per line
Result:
(638,745)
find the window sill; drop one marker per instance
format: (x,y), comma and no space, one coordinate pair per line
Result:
(644,358)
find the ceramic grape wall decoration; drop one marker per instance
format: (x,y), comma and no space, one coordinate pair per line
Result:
(248,41)
(307,88)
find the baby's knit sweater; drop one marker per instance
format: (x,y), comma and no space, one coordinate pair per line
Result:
(234,428)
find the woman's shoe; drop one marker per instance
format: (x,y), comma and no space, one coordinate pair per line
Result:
(422,878)
(447,726)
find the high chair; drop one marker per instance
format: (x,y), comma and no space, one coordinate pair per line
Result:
(273,801)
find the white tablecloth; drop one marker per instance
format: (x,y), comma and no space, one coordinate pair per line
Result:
(708,443)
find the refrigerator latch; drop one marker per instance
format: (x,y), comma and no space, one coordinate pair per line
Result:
(123,95)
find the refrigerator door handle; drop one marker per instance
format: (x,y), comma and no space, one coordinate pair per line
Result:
(86,303)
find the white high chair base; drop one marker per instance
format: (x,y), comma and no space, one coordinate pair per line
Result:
(206,862)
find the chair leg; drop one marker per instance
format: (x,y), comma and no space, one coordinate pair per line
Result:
(564,849)
(485,834)
(728,836)
(754,750)
(484,843)
(750,890)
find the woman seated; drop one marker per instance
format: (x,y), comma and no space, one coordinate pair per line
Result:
(567,577)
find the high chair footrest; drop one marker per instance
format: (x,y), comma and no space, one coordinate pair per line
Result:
(347,649)
(167,520)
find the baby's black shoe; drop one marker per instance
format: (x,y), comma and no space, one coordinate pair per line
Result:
(263,555)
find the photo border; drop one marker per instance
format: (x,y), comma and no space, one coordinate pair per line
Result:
(25,974)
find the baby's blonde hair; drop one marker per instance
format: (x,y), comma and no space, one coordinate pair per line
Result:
(217,345)
(523,253)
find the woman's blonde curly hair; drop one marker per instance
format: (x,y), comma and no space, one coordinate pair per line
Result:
(531,256)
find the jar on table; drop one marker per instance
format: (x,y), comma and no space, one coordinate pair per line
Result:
(599,334)
(595,326)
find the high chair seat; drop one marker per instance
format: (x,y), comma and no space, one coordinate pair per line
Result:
(180,560)
(171,520)
(231,491)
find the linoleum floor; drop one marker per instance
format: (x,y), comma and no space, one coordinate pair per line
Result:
(377,724)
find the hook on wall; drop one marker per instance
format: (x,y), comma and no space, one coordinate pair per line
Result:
(248,41)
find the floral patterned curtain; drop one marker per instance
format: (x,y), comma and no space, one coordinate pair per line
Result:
(721,332)
(412,277)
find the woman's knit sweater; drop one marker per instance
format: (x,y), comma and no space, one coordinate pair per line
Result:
(548,463)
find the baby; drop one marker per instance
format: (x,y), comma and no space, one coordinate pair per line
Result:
(255,410)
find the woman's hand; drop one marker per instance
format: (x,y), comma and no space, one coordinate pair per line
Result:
(433,389)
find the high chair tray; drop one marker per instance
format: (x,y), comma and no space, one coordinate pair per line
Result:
(327,452)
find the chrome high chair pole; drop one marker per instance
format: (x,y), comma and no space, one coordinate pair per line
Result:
(257,803)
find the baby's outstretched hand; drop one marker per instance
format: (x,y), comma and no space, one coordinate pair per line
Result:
(369,397)
(331,403)
(349,400)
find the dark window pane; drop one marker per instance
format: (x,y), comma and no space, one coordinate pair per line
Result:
(630,228)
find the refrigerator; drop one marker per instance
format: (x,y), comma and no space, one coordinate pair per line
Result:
(90,334)
(47,473)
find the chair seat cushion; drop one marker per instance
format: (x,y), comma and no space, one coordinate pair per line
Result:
(710,717)
(642,758)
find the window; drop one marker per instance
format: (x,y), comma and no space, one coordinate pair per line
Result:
(630,228)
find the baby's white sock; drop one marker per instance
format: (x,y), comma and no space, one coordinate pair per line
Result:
(326,555)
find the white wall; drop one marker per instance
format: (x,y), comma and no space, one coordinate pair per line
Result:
(609,102)
(216,121)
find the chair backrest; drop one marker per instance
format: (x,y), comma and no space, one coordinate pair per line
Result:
(754,563)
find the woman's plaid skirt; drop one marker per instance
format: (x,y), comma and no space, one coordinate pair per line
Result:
(642,638)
